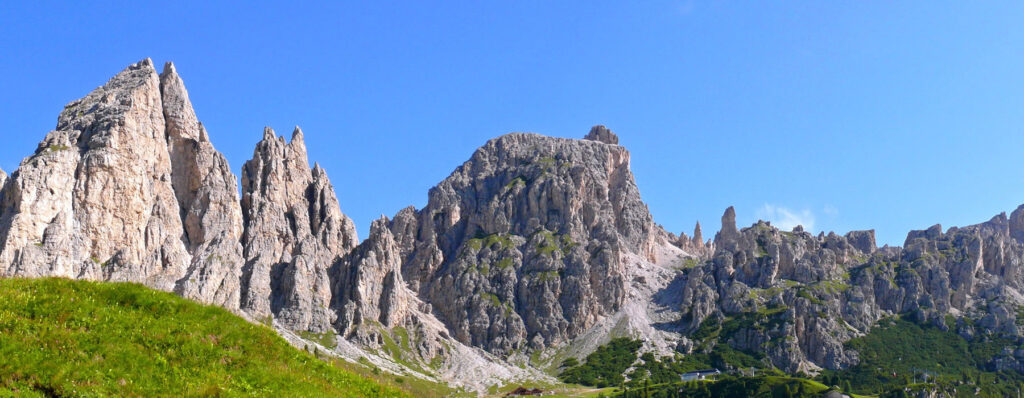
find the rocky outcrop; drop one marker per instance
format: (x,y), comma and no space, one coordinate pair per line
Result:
(795,297)
(3,181)
(96,199)
(531,231)
(294,232)
(695,246)
(370,284)
(207,195)
(602,134)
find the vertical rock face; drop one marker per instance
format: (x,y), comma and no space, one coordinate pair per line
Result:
(370,284)
(862,240)
(728,231)
(96,199)
(294,232)
(531,234)
(1017,224)
(3,180)
(207,195)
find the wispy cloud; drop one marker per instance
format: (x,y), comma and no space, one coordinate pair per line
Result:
(785,218)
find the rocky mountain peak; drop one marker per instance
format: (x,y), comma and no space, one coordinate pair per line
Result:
(207,195)
(294,232)
(181,120)
(530,223)
(862,240)
(601,133)
(371,284)
(95,200)
(728,230)
(1016,222)
(695,246)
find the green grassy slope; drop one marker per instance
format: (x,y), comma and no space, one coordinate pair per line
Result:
(73,338)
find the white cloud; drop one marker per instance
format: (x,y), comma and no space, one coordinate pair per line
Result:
(785,219)
(831,211)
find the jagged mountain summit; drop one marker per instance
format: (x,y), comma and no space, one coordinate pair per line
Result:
(531,231)
(534,250)
(97,198)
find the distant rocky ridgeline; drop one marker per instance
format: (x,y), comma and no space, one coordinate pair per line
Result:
(533,243)
(796,297)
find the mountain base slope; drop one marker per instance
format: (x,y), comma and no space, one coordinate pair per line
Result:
(61,337)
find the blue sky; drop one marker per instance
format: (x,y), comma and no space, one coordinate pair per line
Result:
(839,115)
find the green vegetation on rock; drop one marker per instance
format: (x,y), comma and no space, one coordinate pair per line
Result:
(899,353)
(606,365)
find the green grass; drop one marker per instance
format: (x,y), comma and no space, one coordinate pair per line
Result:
(415,387)
(691,262)
(74,338)
(324,339)
(729,387)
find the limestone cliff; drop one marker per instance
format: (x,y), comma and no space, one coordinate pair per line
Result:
(96,199)
(523,244)
(207,194)
(294,232)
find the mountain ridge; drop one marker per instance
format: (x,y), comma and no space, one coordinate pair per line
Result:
(534,250)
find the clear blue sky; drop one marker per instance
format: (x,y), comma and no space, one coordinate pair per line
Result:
(886,115)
